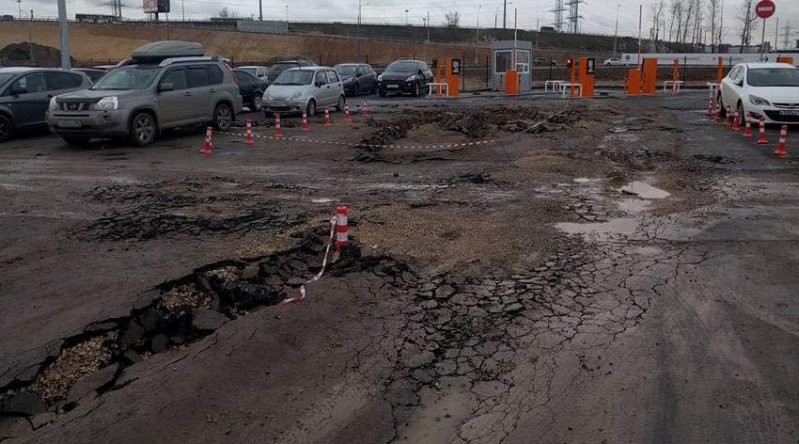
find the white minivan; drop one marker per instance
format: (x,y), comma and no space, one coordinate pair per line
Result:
(304,89)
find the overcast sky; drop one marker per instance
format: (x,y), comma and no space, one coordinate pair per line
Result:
(599,15)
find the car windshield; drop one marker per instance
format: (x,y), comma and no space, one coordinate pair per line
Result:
(773,77)
(280,67)
(402,67)
(5,77)
(127,78)
(346,70)
(249,70)
(294,77)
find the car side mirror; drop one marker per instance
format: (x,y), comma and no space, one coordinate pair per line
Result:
(739,82)
(17,90)
(420,72)
(167,86)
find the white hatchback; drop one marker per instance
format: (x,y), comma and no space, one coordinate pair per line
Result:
(304,89)
(770,90)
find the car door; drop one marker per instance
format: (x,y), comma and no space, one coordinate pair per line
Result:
(201,94)
(738,90)
(322,88)
(727,85)
(28,99)
(174,107)
(336,88)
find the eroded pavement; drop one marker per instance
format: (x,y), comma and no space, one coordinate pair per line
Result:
(610,271)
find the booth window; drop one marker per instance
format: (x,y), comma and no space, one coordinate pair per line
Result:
(522,61)
(502,61)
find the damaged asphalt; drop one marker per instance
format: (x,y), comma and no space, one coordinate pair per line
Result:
(513,292)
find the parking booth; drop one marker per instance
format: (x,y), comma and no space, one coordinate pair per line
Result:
(503,55)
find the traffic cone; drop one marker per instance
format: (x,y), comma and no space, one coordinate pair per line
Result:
(748,129)
(710,105)
(762,140)
(278,130)
(341,227)
(206,149)
(365,109)
(735,123)
(718,113)
(347,118)
(780,151)
(304,121)
(727,117)
(248,138)
(327,117)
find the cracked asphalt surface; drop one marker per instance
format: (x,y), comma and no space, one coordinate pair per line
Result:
(502,293)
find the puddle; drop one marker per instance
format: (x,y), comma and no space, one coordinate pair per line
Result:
(602,230)
(322,200)
(633,206)
(585,180)
(645,191)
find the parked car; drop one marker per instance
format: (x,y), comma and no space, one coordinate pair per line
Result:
(358,78)
(148,94)
(307,89)
(543,61)
(279,67)
(404,76)
(251,89)
(25,93)
(260,72)
(94,74)
(770,90)
(614,61)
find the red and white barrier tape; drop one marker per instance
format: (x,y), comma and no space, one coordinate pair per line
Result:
(331,142)
(301,296)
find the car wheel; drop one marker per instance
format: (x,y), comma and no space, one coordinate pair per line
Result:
(340,104)
(142,129)
(310,109)
(381,93)
(223,117)
(256,102)
(76,140)
(6,127)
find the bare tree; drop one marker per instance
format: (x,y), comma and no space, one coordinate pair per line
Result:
(748,22)
(452,19)
(713,7)
(657,11)
(226,12)
(688,17)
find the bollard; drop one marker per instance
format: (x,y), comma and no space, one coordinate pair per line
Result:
(341,227)
(718,113)
(347,118)
(762,140)
(748,128)
(206,149)
(728,116)
(327,117)
(248,137)
(304,121)
(278,130)
(735,121)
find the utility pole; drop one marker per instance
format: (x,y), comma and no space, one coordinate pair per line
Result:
(428,26)
(63,27)
(559,10)
(477,36)
(504,14)
(261,10)
(358,40)
(786,35)
(616,32)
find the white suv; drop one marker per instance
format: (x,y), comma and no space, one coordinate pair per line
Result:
(770,90)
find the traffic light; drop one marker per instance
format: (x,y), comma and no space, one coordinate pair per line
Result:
(569,63)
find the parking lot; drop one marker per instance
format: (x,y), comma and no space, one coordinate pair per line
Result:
(607,270)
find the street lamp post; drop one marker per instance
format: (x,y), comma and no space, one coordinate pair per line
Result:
(358,39)
(616,33)
(477,36)
(406,17)
(63,27)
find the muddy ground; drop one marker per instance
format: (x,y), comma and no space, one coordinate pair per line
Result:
(526,270)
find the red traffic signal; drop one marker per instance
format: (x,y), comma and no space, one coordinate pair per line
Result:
(569,63)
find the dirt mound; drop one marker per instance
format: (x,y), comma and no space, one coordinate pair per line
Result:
(30,54)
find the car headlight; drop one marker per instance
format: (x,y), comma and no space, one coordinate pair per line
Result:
(106,104)
(53,105)
(380,78)
(411,78)
(758,101)
(296,95)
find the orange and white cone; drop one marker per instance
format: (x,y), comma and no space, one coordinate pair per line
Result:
(342,232)
(347,118)
(748,127)
(735,122)
(728,117)
(718,113)
(780,151)
(365,109)
(762,140)
(327,117)
(710,105)
(248,137)
(208,143)
(304,121)
(278,130)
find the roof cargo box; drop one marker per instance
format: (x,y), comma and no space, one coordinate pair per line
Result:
(156,52)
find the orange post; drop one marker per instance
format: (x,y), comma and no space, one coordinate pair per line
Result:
(720,70)
(785,59)
(585,76)
(511,82)
(571,92)
(675,76)
(650,76)
(633,82)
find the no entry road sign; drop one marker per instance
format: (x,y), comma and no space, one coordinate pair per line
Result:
(765,9)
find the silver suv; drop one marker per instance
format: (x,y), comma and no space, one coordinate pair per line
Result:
(138,100)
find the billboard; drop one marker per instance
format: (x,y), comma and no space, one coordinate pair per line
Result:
(154,6)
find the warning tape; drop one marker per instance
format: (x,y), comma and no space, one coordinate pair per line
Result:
(369,145)
(301,296)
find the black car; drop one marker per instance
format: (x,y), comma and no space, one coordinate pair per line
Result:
(251,89)
(404,76)
(279,67)
(358,78)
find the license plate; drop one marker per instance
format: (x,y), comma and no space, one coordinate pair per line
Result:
(392,86)
(790,113)
(68,123)
(279,105)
